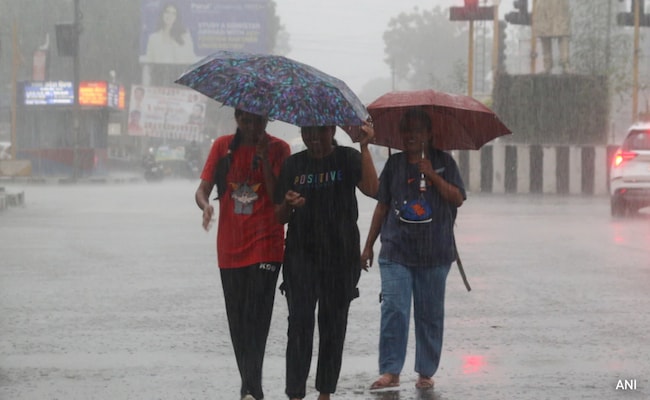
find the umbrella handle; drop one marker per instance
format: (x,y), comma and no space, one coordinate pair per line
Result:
(423,181)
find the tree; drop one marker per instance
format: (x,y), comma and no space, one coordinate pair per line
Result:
(600,47)
(425,50)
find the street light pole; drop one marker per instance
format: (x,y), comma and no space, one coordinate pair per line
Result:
(76,111)
(471,12)
(14,89)
(635,68)
(470,60)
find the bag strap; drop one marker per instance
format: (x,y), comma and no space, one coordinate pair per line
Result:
(460,267)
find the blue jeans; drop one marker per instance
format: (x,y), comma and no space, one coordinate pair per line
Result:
(426,285)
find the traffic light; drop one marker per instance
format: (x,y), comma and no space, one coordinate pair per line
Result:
(67,40)
(520,17)
(501,60)
(627,18)
(471,12)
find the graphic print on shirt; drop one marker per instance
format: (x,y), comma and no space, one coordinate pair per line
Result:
(318,180)
(245,196)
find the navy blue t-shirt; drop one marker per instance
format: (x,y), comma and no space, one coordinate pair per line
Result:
(424,244)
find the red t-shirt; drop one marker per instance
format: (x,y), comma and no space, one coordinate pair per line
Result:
(247,232)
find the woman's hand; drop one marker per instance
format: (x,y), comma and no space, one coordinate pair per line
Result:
(208,212)
(294,199)
(366,258)
(425,167)
(367,133)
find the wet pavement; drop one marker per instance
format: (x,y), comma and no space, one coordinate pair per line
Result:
(110,291)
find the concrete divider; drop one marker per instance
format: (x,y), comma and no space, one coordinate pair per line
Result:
(514,168)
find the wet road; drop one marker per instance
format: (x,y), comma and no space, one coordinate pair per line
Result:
(110,291)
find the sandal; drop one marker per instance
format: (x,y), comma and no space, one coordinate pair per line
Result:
(385,381)
(424,382)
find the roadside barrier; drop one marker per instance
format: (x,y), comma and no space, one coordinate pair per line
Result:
(516,168)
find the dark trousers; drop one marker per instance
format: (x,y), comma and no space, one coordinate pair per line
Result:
(249,293)
(307,285)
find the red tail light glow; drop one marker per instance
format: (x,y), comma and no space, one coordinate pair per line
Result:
(622,156)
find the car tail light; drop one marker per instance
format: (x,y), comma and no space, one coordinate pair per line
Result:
(622,156)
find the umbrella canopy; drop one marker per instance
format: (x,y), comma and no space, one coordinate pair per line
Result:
(277,87)
(459,122)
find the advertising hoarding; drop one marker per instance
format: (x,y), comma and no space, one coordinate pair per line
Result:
(91,94)
(186,31)
(165,112)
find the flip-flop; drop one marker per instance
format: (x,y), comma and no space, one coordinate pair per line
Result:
(424,383)
(385,381)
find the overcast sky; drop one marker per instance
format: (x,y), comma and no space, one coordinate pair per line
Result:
(344,37)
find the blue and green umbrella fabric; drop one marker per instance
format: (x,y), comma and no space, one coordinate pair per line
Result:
(275,86)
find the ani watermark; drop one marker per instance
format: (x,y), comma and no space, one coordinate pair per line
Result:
(626,384)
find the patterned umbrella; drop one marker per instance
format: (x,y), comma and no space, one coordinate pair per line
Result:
(277,87)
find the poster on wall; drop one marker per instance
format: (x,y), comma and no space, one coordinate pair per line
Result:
(164,112)
(183,32)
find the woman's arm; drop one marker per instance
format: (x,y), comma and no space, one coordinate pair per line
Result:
(202,198)
(378,217)
(369,183)
(449,192)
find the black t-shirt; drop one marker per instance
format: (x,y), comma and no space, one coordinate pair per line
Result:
(325,229)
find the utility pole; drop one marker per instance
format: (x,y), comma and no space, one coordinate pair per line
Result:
(15,56)
(637,18)
(496,33)
(533,40)
(471,12)
(76,110)
(470,60)
(635,71)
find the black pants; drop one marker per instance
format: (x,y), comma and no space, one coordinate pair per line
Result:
(306,284)
(249,293)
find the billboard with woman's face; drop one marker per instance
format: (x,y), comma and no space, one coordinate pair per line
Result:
(184,31)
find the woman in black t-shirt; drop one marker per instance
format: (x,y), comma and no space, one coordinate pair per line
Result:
(316,196)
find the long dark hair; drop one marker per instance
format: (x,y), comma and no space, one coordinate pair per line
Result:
(223,165)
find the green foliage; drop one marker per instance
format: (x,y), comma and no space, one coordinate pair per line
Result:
(426,50)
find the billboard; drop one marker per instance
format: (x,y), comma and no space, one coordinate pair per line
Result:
(185,31)
(91,93)
(166,112)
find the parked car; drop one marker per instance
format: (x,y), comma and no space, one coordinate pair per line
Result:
(629,179)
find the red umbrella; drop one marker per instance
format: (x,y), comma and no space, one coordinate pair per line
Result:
(459,122)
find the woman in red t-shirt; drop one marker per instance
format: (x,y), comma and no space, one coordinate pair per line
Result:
(250,242)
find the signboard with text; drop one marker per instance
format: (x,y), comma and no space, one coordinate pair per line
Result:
(93,93)
(48,93)
(166,112)
(192,29)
